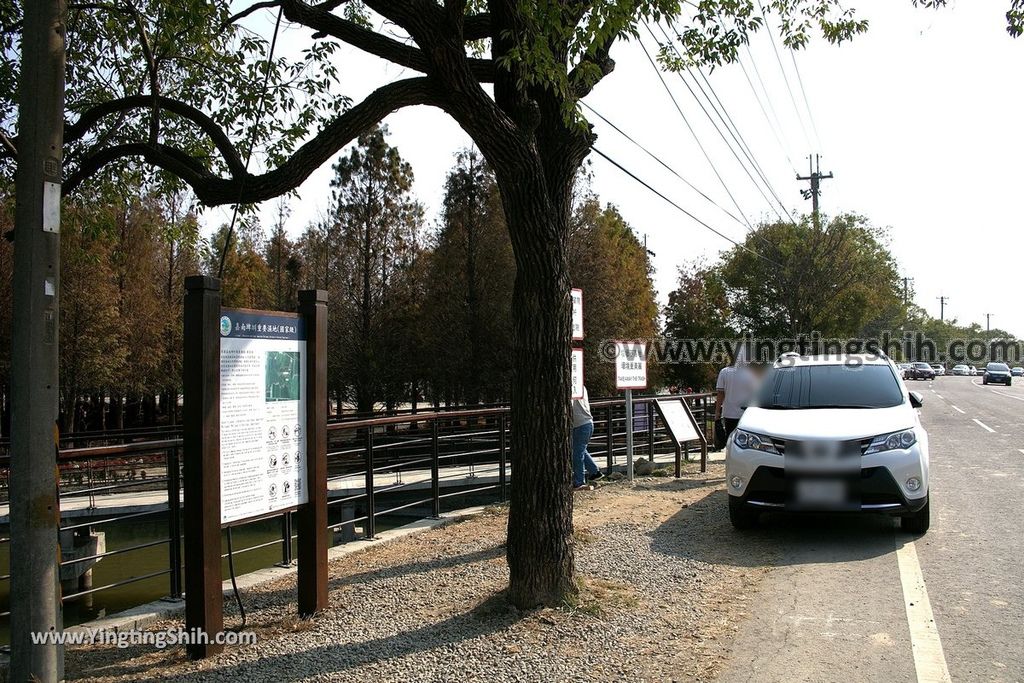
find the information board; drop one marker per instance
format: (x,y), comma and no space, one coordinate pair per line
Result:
(262,413)
(630,365)
(577,314)
(679,420)
(576,370)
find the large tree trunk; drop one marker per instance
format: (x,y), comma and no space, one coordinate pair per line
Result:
(539,548)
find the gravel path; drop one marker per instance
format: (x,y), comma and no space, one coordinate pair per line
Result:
(656,605)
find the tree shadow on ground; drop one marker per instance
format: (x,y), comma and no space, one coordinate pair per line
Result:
(702,532)
(489,616)
(486,617)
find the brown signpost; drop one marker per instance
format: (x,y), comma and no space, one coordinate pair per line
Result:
(311,518)
(204,514)
(204,603)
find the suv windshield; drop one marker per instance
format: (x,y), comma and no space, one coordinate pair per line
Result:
(830,386)
(997,367)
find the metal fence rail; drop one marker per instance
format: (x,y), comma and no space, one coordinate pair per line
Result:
(377,467)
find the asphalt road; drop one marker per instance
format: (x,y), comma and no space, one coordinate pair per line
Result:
(852,598)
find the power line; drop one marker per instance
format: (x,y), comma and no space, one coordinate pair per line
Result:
(664,164)
(785,76)
(681,209)
(717,128)
(696,138)
(774,128)
(807,102)
(727,121)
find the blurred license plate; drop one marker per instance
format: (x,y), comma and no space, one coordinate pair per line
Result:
(820,491)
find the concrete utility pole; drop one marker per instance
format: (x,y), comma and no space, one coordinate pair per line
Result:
(906,289)
(35,513)
(988,322)
(814,193)
(942,308)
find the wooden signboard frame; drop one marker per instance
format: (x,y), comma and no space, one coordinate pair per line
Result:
(683,446)
(204,598)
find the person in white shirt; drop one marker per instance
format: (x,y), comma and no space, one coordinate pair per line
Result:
(734,390)
(582,429)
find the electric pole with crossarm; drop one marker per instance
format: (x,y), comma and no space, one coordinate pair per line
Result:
(816,176)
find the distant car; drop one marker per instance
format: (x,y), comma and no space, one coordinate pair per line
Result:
(971,370)
(920,370)
(1017,372)
(903,367)
(939,369)
(997,373)
(962,370)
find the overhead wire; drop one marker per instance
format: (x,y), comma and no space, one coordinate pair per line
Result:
(664,164)
(696,138)
(718,129)
(704,224)
(785,76)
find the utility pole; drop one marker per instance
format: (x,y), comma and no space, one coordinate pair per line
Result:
(35,512)
(906,290)
(988,322)
(942,308)
(814,193)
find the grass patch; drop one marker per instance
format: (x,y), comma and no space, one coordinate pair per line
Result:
(597,597)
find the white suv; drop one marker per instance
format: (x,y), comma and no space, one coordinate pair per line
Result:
(830,433)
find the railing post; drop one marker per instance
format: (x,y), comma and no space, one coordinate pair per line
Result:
(370,521)
(650,430)
(501,456)
(286,539)
(174,520)
(609,428)
(435,475)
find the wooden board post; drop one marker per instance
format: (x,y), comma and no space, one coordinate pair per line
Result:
(204,603)
(311,518)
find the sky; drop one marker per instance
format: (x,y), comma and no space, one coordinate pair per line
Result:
(919,120)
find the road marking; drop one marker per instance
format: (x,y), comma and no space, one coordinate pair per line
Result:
(1021,450)
(958,410)
(1003,393)
(929,659)
(983,425)
(938,395)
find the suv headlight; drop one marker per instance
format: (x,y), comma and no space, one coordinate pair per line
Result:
(752,441)
(895,441)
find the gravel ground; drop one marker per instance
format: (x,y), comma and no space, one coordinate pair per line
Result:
(657,604)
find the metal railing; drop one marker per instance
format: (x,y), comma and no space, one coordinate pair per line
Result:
(377,467)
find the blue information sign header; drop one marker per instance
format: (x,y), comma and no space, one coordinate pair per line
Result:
(239,323)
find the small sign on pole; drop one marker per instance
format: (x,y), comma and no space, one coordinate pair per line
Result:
(577,314)
(630,374)
(577,373)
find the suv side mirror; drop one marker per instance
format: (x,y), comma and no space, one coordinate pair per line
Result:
(916,400)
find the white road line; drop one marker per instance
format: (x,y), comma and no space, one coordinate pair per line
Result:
(957,409)
(1021,450)
(983,425)
(938,395)
(1003,393)
(929,659)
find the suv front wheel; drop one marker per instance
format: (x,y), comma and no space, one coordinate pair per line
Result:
(740,515)
(917,522)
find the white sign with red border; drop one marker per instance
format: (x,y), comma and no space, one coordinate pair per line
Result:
(577,314)
(630,365)
(576,370)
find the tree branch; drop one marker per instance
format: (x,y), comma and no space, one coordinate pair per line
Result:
(217,135)
(245,188)
(370,41)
